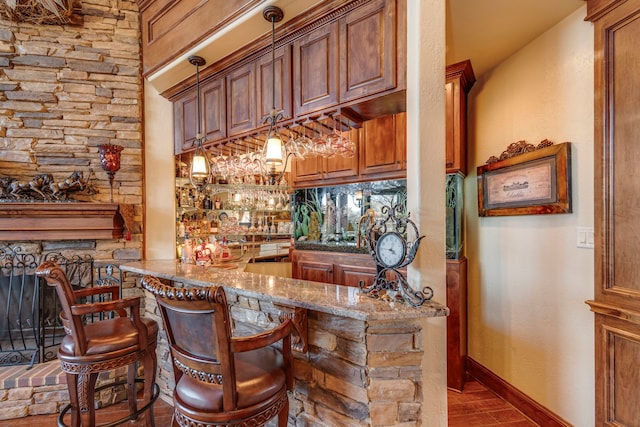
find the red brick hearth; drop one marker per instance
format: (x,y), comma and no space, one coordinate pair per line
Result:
(43,390)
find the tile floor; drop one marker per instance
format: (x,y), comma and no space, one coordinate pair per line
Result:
(478,406)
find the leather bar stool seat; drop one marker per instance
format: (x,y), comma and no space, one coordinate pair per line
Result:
(121,338)
(222,380)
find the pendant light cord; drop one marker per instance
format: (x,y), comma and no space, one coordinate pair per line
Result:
(273,64)
(199,134)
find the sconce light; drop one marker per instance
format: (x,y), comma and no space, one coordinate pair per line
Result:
(358,197)
(200,171)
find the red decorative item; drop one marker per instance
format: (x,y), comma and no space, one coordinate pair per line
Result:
(110,162)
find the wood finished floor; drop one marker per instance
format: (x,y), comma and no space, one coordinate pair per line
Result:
(475,407)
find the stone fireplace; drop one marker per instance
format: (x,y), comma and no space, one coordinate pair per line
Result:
(65,90)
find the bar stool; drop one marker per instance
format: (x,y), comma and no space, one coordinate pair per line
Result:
(88,349)
(222,380)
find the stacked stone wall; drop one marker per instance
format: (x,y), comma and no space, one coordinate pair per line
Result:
(65,90)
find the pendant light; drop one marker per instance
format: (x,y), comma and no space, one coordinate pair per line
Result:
(274,150)
(200,171)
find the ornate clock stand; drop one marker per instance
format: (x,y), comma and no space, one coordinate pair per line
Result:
(388,244)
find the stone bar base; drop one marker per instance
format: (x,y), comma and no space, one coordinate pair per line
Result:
(355,373)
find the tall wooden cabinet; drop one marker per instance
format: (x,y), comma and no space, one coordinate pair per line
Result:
(460,79)
(616,302)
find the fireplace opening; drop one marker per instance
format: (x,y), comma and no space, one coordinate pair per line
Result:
(30,327)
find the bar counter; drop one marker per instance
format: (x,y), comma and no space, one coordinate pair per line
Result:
(339,300)
(358,361)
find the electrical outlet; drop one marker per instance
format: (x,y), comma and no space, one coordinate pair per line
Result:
(584,237)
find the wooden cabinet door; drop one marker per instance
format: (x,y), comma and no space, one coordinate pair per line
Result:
(381,153)
(241,89)
(264,91)
(214,109)
(340,166)
(315,67)
(617,191)
(185,124)
(304,171)
(368,50)
(315,271)
(351,275)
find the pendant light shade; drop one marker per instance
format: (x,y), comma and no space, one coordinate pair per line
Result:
(274,149)
(200,171)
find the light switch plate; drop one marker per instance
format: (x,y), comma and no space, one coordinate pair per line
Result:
(584,237)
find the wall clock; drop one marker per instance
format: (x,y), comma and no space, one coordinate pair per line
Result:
(393,242)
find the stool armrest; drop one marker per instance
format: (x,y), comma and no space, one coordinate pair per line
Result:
(101,307)
(98,290)
(263,339)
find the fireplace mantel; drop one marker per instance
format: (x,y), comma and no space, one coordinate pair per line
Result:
(60,221)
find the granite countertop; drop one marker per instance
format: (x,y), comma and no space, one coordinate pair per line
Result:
(346,247)
(334,299)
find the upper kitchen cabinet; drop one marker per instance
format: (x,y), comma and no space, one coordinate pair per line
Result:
(315,170)
(213,110)
(241,89)
(264,92)
(368,50)
(460,79)
(315,67)
(383,146)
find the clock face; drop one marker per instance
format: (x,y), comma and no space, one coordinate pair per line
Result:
(391,249)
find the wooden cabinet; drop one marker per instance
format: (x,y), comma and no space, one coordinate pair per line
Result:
(264,82)
(315,67)
(333,267)
(213,113)
(185,122)
(460,79)
(314,270)
(353,274)
(314,171)
(350,58)
(383,147)
(368,50)
(456,323)
(381,154)
(214,109)
(616,302)
(241,92)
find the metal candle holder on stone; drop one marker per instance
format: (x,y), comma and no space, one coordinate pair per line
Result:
(110,162)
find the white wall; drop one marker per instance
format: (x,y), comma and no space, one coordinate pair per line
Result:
(527,279)
(425,133)
(159,176)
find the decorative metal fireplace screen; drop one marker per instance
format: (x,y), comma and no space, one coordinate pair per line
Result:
(30,328)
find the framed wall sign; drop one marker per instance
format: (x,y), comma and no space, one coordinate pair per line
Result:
(526,180)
